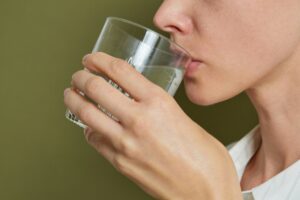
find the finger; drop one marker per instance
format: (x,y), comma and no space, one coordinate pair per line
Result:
(104,147)
(89,114)
(120,72)
(100,144)
(102,93)
(128,167)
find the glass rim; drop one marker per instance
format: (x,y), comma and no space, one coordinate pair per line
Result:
(182,50)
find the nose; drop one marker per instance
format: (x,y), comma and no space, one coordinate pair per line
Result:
(173,17)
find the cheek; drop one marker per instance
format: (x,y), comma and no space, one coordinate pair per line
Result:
(241,45)
(255,38)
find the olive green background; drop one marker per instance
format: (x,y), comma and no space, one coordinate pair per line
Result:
(42,155)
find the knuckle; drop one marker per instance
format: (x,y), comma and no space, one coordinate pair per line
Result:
(138,125)
(161,101)
(92,58)
(128,148)
(76,75)
(118,66)
(91,86)
(85,112)
(99,54)
(120,163)
(156,93)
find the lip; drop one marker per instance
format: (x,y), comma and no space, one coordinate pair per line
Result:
(193,63)
(192,67)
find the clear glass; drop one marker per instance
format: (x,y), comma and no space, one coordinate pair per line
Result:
(158,58)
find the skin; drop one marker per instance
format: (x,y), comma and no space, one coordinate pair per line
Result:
(167,159)
(251,46)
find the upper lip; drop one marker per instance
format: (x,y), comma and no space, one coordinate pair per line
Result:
(192,58)
(176,50)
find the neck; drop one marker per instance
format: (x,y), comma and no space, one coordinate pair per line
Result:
(277,102)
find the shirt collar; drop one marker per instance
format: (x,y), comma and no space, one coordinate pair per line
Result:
(243,150)
(285,185)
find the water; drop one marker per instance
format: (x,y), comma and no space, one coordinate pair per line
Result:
(168,78)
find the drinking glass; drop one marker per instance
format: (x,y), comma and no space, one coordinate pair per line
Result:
(158,58)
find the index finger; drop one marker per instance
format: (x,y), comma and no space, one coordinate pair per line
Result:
(121,73)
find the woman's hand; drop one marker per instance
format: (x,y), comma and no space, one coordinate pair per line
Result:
(153,142)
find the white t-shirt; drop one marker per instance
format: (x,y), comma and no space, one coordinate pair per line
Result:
(283,186)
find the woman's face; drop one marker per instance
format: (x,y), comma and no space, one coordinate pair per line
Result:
(240,42)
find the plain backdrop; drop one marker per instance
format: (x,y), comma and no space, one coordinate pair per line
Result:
(42,155)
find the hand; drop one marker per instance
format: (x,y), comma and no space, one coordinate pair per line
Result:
(153,142)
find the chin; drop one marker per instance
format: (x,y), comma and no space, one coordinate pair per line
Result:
(199,100)
(203,96)
(198,96)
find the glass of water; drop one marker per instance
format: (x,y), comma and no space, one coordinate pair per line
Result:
(158,58)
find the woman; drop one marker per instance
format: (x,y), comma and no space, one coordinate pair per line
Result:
(251,46)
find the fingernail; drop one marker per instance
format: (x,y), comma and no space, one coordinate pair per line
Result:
(66,91)
(86,130)
(84,58)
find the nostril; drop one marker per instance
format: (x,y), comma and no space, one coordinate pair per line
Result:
(173,29)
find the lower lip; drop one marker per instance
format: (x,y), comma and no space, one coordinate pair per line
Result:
(193,67)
